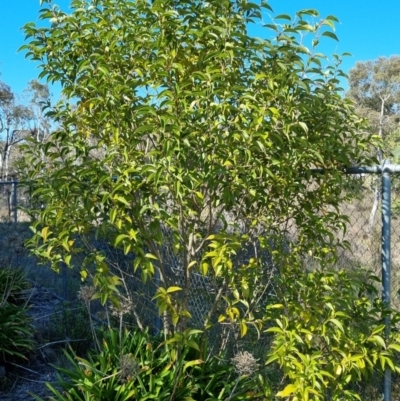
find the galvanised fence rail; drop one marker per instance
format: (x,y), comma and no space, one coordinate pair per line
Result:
(373,235)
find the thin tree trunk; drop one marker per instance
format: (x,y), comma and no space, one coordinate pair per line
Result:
(377,200)
(377,191)
(7,162)
(1,166)
(9,203)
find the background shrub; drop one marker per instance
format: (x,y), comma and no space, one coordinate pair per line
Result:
(16,330)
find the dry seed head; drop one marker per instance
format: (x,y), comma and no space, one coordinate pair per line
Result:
(245,363)
(86,293)
(128,367)
(125,307)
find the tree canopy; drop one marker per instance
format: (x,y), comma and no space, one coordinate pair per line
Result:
(375,87)
(179,129)
(17,122)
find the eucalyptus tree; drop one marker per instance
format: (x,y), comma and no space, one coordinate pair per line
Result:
(14,126)
(375,87)
(38,96)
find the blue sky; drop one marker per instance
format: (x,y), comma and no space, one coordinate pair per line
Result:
(368,29)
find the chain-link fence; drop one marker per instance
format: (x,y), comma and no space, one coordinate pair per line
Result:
(364,236)
(372,239)
(373,224)
(364,231)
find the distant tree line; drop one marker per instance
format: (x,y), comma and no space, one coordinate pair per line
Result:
(21,117)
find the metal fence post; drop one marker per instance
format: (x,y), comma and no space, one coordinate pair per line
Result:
(64,281)
(15,201)
(157,322)
(385,253)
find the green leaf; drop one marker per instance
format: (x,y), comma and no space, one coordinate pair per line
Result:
(287,391)
(332,18)
(378,340)
(103,69)
(330,35)
(192,363)
(67,260)
(243,328)
(151,256)
(395,347)
(283,16)
(173,289)
(121,199)
(275,306)
(304,126)
(45,233)
(378,329)
(120,238)
(310,11)
(204,268)
(113,215)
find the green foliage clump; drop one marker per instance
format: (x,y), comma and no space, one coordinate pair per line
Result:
(12,283)
(182,139)
(329,334)
(16,330)
(136,366)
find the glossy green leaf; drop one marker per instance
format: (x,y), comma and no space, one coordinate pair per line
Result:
(330,35)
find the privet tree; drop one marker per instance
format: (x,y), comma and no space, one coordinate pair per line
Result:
(188,144)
